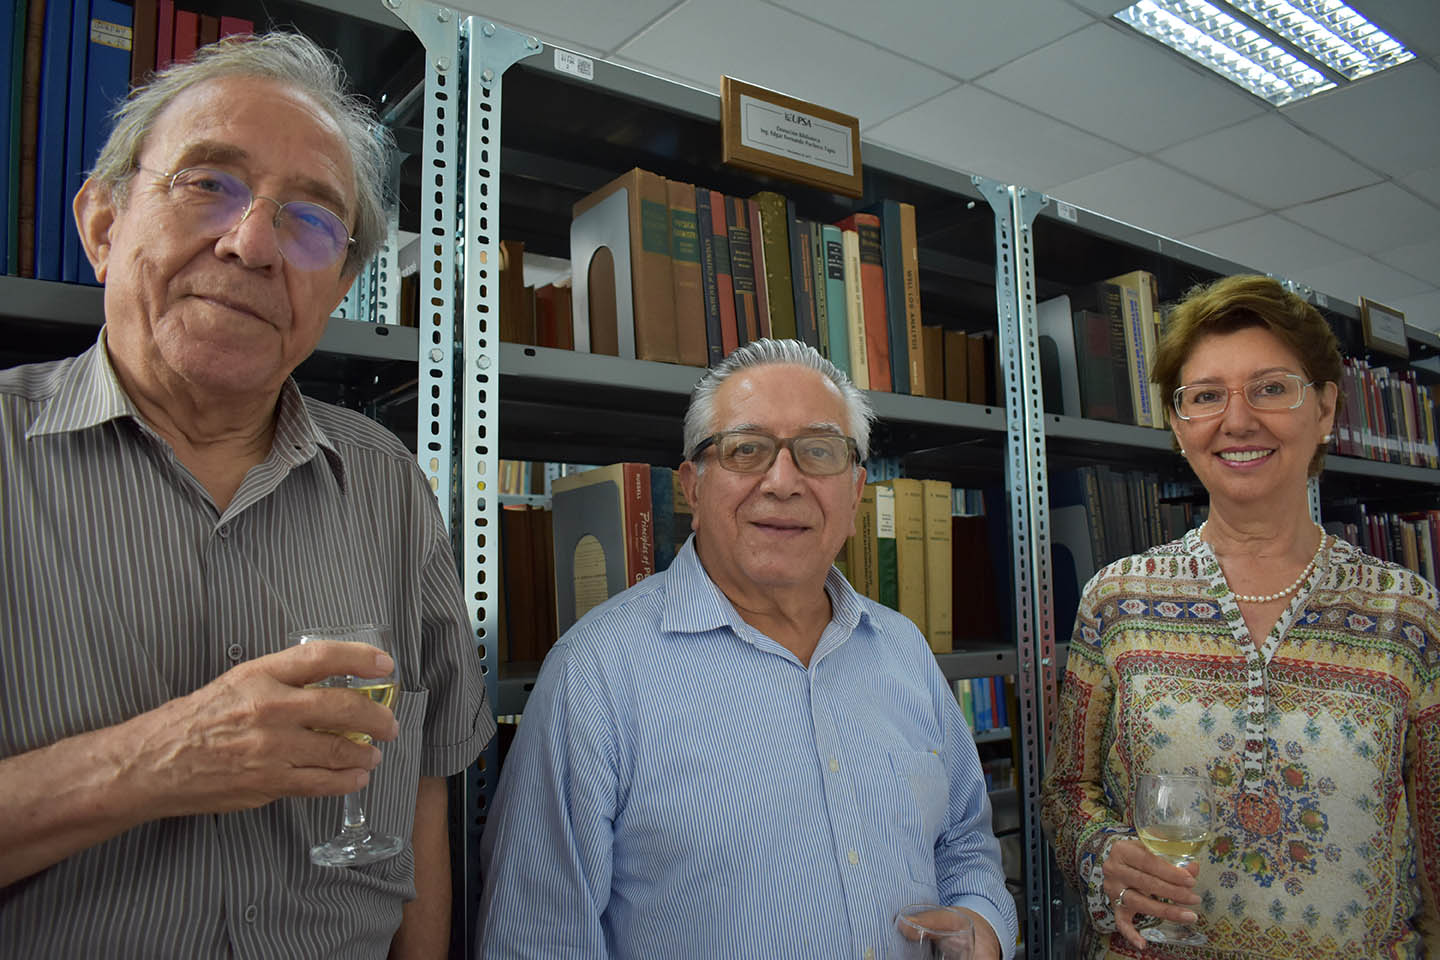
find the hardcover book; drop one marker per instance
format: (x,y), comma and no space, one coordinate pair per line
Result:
(603,536)
(872,284)
(685,271)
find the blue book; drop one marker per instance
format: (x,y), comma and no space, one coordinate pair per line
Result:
(50,139)
(837,305)
(10,51)
(107,80)
(980,692)
(1000,712)
(70,252)
(662,514)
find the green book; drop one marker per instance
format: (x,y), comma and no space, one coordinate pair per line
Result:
(886,553)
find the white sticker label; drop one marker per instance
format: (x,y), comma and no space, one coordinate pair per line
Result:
(797,135)
(1066,211)
(573,63)
(1321,300)
(109,34)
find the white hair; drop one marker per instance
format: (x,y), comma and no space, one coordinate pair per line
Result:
(700,416)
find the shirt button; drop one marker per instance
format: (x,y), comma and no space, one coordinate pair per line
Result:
(853,857)
(251,913)
(869,953)
(223,530)
(834,765)
(237,653)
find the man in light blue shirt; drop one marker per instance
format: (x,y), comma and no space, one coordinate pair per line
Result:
(742,757)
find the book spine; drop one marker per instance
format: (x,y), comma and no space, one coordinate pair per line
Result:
(11,36)
(910,550)
(801,270)
(724,279)
(872,283)
(164,34)
(662,505)
(187,35)
(855,311)
(1136,360)
(892,277)
(639,524)
(685,272)
(886,550)
(836,303)
(714,341)
(50,141)
(209,29)
(817,288)
(70,254)
(107,80)
(914,326)
(29,132)
(742,268)
(652,286)
(938,586)
(775,243)
(236,26)
(762,288)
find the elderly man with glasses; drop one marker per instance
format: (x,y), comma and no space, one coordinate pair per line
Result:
(172,508)
(740,756)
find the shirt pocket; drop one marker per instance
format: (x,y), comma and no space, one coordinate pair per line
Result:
(924,792)
(389,800)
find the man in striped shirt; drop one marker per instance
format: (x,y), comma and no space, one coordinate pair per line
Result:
(171,507)
(740,756)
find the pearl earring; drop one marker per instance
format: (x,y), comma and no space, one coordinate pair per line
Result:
(1182,451)
(1329,437)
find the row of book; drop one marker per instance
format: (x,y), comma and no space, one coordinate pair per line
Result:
(711,272)
(1387,415)
(986,702)
(1410,539)
(69,63)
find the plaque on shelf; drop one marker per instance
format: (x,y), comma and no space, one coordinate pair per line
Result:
(772,133)
(1384,328)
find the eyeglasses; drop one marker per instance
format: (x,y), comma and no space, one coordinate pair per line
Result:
(310,237)
(746,451)
(1201,401)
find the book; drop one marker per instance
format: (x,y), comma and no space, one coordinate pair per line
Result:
(887,215)
(690,343)
(29,134)
(517,545)
(164,33)
(672,515)
(603,536)
(1141,308)
(50,140)
(819,293)
(957,366)
(775,247)
(855,310)
(70,253)
(730,332)
(107,81)
(836,301)
(914,325)
(802,272)
(517,322)
(209,30)
(979,377)
(910,550)
(934,339)
(709,282)
(762,292)
(554,318)
(187,35)
(939,596)
(975,589)
(1103,394)
(742,269)
(236,26)
(652,288)
(886,547)
(11,35)
(861,548)
(142,46)
(872,285)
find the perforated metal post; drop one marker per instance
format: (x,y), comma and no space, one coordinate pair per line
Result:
(1025,480)
(1312,492)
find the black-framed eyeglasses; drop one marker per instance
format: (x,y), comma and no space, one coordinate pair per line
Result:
(749,451)
(1282,391)
(214,202)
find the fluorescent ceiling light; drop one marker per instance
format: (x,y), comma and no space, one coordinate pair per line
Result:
(1241,47)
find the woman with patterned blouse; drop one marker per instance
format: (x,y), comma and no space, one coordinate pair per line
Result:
(1297,672)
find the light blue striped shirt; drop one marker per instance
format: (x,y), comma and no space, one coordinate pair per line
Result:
(682,786)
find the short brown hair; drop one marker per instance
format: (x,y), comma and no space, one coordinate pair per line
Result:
(1237,303)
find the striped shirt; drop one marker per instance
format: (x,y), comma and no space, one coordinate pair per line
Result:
(124,588)
(682,786)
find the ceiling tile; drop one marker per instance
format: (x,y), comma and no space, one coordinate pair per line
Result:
(1426,183)
(597,26)
(1156,198)
(1271,244)
(1386,121)
(1102,8)
(973,130)
(774,48)
(1362,277)
(1379,217)
(1120,85)
(1422,311)
(1260,161)
(925,30)
(1417,259)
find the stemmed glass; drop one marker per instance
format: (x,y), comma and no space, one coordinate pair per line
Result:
(355,844)
(934,932)
(1172,816)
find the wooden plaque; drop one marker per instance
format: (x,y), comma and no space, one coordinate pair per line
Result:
(1384,328)
(769,132)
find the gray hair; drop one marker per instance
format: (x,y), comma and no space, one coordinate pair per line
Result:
(289,59)
(700,417)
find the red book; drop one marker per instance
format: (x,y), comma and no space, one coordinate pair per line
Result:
(872,283)
(187,35)
(742,268)
(729,332)
(231,26)
(762,293)
(165,34)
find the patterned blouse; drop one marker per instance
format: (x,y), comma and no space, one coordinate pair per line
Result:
(1322,744)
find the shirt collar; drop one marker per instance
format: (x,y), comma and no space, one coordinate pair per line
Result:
(89,394)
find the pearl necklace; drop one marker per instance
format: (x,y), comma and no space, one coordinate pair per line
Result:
(1267,597)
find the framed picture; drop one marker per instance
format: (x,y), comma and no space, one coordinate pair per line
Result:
(768,132)
(1384,328)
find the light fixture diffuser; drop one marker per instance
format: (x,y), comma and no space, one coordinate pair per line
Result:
(1229,46)
(1331,32)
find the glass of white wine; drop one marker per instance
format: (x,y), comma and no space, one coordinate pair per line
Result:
(933,932)
(1172,816)
(356,843)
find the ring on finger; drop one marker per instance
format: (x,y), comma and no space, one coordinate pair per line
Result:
(1119,899)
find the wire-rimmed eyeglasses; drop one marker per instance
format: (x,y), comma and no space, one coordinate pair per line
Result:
(750,451)
(214,202)
(1281,391)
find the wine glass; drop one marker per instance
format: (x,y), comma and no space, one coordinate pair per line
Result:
(934,932)
(355,844)
(1172,816)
